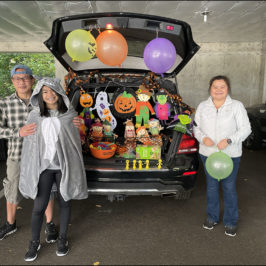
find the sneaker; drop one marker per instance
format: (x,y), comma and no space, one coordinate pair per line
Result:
(230,230)
(62,246)
(51,232)
(34,247)
(7,229)
(209,224)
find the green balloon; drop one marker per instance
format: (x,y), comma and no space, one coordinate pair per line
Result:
(80,45)
(219,165)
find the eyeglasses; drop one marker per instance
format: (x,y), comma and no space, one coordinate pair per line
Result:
(26,79)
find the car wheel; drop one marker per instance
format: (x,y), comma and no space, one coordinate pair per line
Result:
(254,140)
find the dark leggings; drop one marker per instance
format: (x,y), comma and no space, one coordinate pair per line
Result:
(47,178)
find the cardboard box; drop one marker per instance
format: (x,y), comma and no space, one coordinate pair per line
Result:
(148,152)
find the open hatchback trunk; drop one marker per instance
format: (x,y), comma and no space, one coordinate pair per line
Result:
(151,147)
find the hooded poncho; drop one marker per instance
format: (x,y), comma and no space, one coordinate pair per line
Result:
(54,135)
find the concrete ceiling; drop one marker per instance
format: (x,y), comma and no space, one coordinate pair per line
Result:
(228,21)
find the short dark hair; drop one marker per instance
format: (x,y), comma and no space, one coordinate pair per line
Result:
(43,108)
(221,77)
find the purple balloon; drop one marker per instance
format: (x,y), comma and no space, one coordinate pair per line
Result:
(159,55)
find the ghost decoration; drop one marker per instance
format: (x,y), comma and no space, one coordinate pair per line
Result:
(103,110)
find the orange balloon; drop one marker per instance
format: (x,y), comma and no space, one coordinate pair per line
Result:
(112,48)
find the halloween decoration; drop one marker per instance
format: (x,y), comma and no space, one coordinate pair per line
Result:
(102,150)
(162,107)
(80,45)
(130,140)
(129,131)
(124,103)
(127,165)
(96,131)
(159,55)
(108,132)
(143,136)
(143,107)
(88,116)
(112,48)
(154,127)
(160,163)
(103,110)
(182,123)
(148,152)
(86,101)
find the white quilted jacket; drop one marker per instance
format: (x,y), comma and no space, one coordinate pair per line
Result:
(230,121)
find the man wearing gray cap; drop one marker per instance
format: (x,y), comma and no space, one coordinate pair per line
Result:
(14,110)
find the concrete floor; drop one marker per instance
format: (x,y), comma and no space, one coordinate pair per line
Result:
(154,231)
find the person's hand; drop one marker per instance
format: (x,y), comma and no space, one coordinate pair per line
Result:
(77,122)
(27,130)
(222,144)
(208,142)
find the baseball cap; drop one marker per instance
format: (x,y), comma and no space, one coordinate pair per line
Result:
(26,70)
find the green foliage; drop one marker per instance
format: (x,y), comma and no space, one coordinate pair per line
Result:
(42,64)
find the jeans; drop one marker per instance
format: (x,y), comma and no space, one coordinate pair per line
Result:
(230,216)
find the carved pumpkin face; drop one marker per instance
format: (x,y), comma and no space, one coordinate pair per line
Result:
(125,103)
(106,111)
(108,118)
(86,100)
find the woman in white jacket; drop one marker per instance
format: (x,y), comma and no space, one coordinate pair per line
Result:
(222,124)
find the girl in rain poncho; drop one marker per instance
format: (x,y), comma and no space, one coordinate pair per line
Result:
(51,155)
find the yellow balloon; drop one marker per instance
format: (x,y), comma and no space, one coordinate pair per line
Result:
(80,45)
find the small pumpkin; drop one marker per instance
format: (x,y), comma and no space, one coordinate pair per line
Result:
(85,99)
(106,111)
(108,118)
(124,103)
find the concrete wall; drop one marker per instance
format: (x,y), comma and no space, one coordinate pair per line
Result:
(243,63)
(263,72)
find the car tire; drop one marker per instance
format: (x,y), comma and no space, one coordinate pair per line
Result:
(254,140)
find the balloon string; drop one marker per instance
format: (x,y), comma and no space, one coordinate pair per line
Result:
(157,33)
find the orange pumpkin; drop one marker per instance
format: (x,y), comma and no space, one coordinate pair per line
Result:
(106,111)
(85,99)
(108,118)
(125,103)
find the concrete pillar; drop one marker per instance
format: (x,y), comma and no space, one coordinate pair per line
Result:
(263,72)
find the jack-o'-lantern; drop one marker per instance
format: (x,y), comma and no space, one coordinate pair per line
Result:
(85,99)
(108,118)
(124,103)
(106,111)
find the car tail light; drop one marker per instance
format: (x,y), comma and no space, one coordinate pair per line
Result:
(190,173)
(187,145)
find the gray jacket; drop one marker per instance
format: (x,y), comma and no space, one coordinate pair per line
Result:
(34,159)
